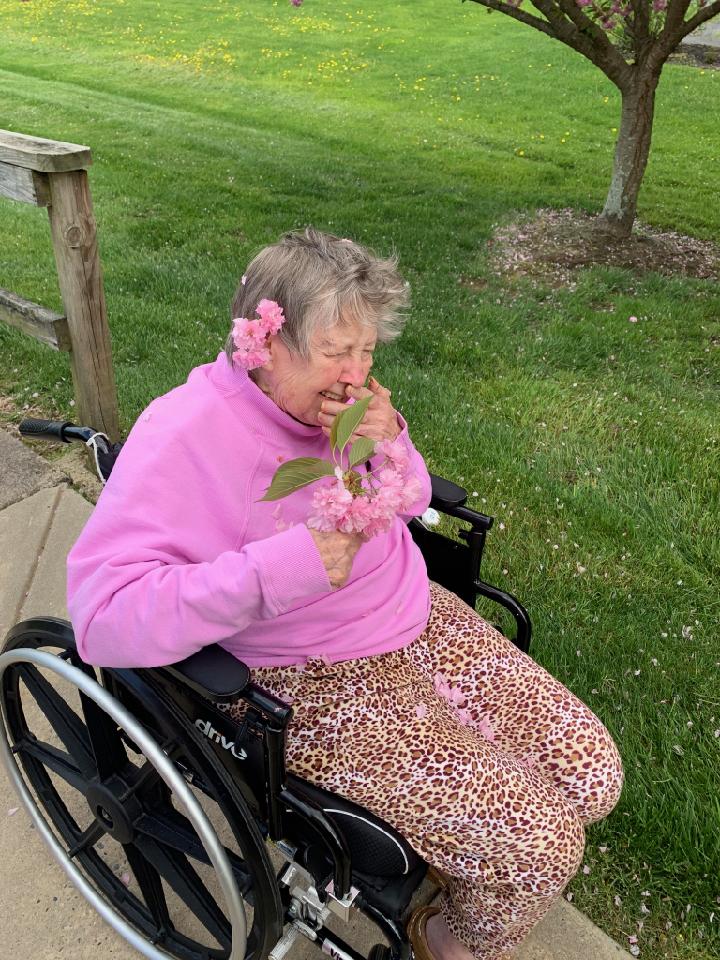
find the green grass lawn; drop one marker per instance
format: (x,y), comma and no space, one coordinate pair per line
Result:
(215,126)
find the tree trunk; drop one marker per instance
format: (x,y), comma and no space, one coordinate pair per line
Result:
(631,154)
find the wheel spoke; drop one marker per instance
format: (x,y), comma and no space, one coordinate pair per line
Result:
(63,719)
(147,784)
(106,742)
(55,760)
(151,888)
(185,882)
(88,838)
(174,831)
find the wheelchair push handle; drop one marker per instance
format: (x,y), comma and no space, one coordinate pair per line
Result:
(105,452)
(63,430)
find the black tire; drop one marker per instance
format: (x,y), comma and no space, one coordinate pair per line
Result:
(105,801)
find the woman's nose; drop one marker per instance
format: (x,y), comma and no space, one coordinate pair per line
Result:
(355,372)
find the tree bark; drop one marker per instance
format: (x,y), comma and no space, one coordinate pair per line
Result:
(631,153)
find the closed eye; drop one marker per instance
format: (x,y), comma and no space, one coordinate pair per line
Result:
(347,353)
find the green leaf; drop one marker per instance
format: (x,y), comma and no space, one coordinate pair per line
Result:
(346,422)
(295,474)
(361,450)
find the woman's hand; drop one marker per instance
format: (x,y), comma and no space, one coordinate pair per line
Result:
(380,421)
(337,552)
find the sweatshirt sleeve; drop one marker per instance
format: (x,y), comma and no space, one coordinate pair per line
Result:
(147,581)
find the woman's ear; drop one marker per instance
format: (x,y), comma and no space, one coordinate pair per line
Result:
(274,346)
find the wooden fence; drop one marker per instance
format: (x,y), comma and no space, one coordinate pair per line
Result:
(52,174)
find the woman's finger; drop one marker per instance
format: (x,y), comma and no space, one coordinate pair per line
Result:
(377,388)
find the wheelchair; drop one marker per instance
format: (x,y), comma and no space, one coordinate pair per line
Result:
(226,853)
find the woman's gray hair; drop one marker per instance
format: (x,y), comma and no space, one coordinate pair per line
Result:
(320,280)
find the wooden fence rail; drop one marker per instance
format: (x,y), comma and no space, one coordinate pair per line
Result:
(52,174)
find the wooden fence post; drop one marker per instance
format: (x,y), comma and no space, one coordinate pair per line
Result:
(74,239)
(53,174)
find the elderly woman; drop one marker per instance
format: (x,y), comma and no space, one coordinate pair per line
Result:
(405,701)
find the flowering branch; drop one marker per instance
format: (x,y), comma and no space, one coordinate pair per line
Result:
(354,502)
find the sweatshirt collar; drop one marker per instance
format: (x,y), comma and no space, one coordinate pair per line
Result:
(257,410)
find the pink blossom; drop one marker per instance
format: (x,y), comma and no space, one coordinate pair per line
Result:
(363,514)
(485,728)
(421,711)
(250,359)
(296,3)
(464,717)
(583,3)
(329,507)
(442,687)
(389,490)
(271,314)
(413,489)
(659,5)
(395,451)
(456,695)
(392,493)
(250,336)
(373,515)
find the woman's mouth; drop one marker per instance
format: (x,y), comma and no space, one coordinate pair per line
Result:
(329,395)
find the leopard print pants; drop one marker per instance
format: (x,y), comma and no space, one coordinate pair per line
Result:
(484,762)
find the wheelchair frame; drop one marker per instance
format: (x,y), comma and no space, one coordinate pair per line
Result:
(239,766)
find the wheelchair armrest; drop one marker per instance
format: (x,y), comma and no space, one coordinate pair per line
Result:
(446,495)
(213,673)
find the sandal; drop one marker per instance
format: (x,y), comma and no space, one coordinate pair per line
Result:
(417,932)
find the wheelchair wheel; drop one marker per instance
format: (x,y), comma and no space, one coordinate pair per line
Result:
(118,811)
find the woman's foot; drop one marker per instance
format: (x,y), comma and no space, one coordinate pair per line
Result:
(431,939)
(441,943)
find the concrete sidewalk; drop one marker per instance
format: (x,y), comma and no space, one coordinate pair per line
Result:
(43,918)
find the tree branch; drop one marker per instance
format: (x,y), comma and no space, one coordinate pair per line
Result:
(673,29)
(640,28)
(702,16)
(602,53)
(585,24)
(641,11)
(674,19)
(542,25)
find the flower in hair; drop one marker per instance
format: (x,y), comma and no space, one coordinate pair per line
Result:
(250,337)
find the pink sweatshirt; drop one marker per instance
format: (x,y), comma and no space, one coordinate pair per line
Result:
(179,553)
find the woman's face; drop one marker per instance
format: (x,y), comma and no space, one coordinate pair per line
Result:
(340,356)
